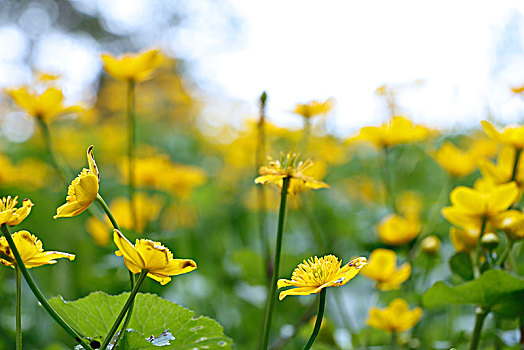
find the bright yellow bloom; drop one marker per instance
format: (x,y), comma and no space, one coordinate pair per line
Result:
(464,240)
(135,67)
(396,230)
(300,174)
(396,131)
(501,172)
(313,108)
(382,268)
(151,256)
(315,274)
(472,205)
(82,191)
(512,223)
(147,210)
(430,245)
(31,251)
(395,318)
(510,135)
(456,162)
(45,106)
(13,216)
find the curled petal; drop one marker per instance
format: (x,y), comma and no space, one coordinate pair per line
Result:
(128,251)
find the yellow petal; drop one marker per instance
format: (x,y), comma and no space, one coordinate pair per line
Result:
(155,256)
(93,169)
(159,278)
(179,266)
(502,197)
(397,278)
(468,200)
(128,251)
(48,257)
(457,217)
(86,190)
(296,291)
(490,131)
(21,213)
(382,264)
(377,319)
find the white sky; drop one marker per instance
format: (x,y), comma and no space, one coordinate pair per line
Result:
(300,50)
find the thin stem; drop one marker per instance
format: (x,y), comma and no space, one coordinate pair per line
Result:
(393,344)
(318,322)
(123,312)
(131,138)
(280,342)
(515,165)
(18,308)
(388,179)
(36,291)
(58,161)
(104,206)
(480,316)
(270,303)
(307,133)
(476,253)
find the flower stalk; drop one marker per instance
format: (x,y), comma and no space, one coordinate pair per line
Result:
(480,316)
(18,308)
(387,178)
(58,162)
(37,293)
(270,303)
(131,134)
(127,306)
(318,322)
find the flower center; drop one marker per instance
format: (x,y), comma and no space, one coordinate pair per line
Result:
(8,203)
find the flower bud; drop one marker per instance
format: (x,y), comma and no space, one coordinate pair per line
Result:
(490,241)
(430,245)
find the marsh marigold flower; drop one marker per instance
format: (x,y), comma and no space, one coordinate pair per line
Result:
(430,245)
(396,230)
(397,317)
(315,274)
(300,174)
(134,67)
(502,172)
(510,135)
(13,216)
(151,256)
(464,240)
(512,223)
(469,206)
(455,161)
(31,251)
(45,106)
(398,130)
(82,191)
(313,108)
(382,268)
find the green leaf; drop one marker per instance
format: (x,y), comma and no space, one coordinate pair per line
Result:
(486,291)
(510,306)
(460,264)
(93,316)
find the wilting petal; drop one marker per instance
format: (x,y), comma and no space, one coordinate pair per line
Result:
(127,250)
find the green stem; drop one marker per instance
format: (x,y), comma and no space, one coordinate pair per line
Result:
(18,308)
(131,134)
(502,258)
(307,133)
(36,291)
(104,206)
(123,312)
(58,162)
(270,303)
(388,179)
(318,322)
(476,253)
(515,165)
(393,344)
(480,316)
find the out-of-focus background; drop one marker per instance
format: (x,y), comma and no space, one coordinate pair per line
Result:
(445,64)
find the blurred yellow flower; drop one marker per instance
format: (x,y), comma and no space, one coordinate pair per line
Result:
(510,135)
(151,256)
(512,223)
(464,240)
(147,210)
(13,216)
(315,274)
(430,245)
(382,268)
(135,67)
(396,230)
(45,106)
(472,205)
(482,147)
(99,230)
(517,89)
(31,251)
(398,130)
(397,317)
(409,204)
(456,162)
(502,172)
(313,108)
(300,174)
(82,191)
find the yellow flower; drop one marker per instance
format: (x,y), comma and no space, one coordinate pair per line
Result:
(313,108)
(395,318)
(300,174)
(99,230)
(396,131)
(472,205)
(456,162)
(430,245)
(464,240)
(517,89)
(151,256)
(383,269)
(396,230)
(510,135)
(45,106)
(147,210)
(315,274)
(501,172)
(410,204)
(135,67)
(13,216)
(512,223)
(82,191)
(31,251)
